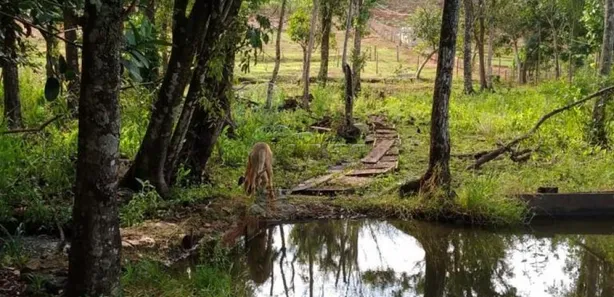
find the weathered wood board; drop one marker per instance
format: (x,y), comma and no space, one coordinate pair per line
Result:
(378,151)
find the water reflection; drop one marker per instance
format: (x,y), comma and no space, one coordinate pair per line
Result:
(371,258)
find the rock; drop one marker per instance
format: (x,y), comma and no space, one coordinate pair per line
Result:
(364,128)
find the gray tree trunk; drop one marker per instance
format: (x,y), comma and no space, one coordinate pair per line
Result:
(428,58)
(307,62)
(10,77)
(72,59)
(467,65)
(481,52)
(269,94)
(599,134)
(491,40)
(94,262)
(438,173)
(188,33)
(357,61)
(348,26)
(327,23)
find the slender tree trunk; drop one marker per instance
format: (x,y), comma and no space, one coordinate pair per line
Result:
(327,23)
(348,27)
(491,50)
(519,65)
(481,54)
(599,134)
(188,34)
(438,173)
(307,65)
(428,58)
(467,67)
(94,264)
(570,52)
(51,53)
(10,75)
(72,60)
(357,59)
(269,95)
(349,97)
(557,64)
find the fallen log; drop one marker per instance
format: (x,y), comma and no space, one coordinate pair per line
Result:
(506,147)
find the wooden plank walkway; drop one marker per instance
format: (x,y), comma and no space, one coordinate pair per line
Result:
(382,159)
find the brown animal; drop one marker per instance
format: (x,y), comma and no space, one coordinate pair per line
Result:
(259,170)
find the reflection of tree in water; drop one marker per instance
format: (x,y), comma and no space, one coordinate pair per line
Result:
(332,245)
(260,255)
(590,264)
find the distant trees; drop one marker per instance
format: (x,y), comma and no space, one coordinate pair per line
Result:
(467,58)
(426,24)
(269,95)
(302,31)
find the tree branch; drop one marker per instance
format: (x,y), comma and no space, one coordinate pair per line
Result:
(43,30)
(33,130)
(506,147)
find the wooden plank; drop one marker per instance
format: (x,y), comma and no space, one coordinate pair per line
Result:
(381,164)
(369,139)
(370,172)
(321,129)
(312,182)
(389,159)
(386,136)
(378,151)
(385,131)
(354,181)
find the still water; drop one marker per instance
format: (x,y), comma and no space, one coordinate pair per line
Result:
(394,258)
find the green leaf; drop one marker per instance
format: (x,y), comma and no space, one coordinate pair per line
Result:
(62,65)
(52,88)
(133,70)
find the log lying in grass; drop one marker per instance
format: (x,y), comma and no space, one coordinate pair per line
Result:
(491,155)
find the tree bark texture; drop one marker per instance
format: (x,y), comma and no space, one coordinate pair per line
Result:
(307,62)
(438,173)
(209,119)
(357,59)
(348,27)
(94,262)
(327,23)
(10,74)
(72,59)
(599,134)
(349,96)
(201,81)
(480,40)
(491,41)
(188,33)
(269,93)
(468,79)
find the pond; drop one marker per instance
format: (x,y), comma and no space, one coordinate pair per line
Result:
(400,258)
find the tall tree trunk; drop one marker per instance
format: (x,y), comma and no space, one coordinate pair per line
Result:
(94,263)
(348,27)
(520,67)
(327,23)
(599,134)
(557,64)
(10,75)
(153,56)
(209,120)
(269,94)
(72,59)
(491,41)
(188,34)
(438,173)
(357,59)
(428,58)
(480,37)
(307,65)
(467,67)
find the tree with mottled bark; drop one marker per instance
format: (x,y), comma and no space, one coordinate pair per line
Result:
(467,65)
(269,94)
(346,37)
(491,44)
(599,135)
(357,59)
(10,72)
(94,262)
(438,174)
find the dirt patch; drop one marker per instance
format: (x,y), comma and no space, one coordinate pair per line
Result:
(11,284)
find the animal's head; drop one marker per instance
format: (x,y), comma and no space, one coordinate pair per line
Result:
(241,180)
